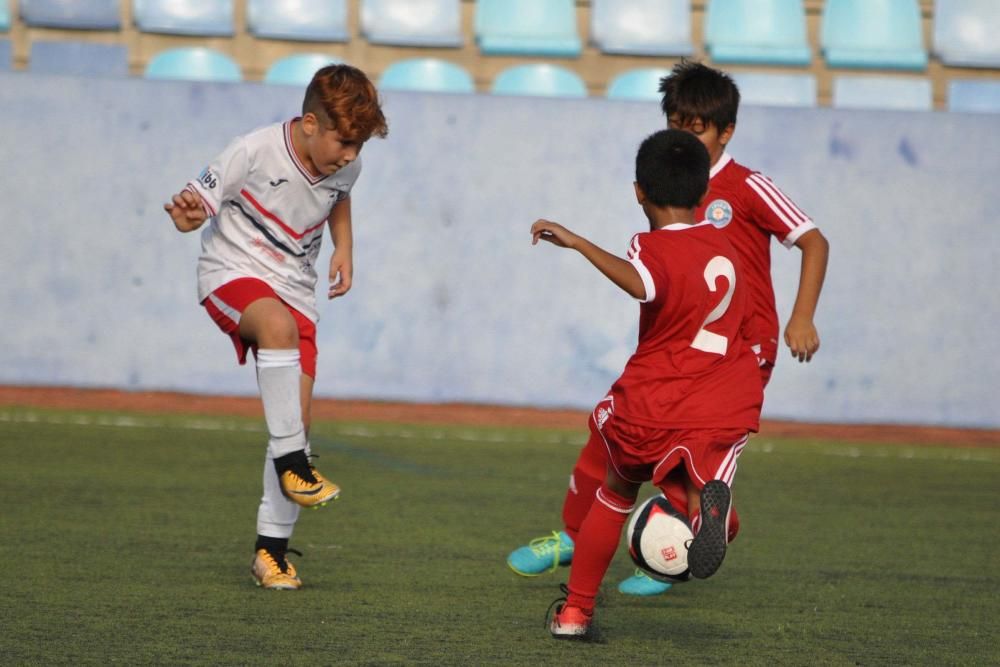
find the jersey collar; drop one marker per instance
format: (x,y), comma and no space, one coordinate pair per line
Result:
(680,226)
(724,159)
(312,180)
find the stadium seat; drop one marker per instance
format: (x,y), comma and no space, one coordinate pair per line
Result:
(4,17)
(539,79)
(776,90)
(976,95)
(78,58)
(300,20)
(193,64)
(427,74)
(637,84)
(412,22)
(5,52)
(202,18)
(641,27)
(965,32)
(298,69)
(896,93)
(874,34)
(71,14)
(527,27)
(757,32)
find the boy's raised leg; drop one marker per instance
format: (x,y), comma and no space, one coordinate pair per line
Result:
(708,548)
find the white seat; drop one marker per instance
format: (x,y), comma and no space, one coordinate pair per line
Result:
(895,93)
(965,32)
(412,22)
(642,27)
(300,20)
(778,90)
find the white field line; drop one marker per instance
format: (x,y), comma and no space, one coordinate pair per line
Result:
(468,435)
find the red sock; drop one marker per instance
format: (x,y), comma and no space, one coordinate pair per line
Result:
(588,475)
(596,545)
(734,525)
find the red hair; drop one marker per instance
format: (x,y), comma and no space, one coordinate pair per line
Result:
(348,98)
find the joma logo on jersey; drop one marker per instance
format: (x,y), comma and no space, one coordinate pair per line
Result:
(208,179)
(719,213)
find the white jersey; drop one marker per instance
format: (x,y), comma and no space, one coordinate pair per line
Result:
(267,216)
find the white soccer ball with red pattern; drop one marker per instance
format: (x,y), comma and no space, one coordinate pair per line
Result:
(658,540)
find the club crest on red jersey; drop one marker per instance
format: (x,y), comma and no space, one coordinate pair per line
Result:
(719,213)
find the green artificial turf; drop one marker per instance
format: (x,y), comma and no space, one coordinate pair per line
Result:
(127,539)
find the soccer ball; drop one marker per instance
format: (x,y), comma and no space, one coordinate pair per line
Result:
(658,539)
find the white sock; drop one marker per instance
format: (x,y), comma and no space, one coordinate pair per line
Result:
(276,515)
(279,377)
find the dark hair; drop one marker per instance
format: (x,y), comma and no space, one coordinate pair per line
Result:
(345,95)
(693,90)
(672,167)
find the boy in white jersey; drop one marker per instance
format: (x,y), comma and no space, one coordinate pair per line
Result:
(268,195)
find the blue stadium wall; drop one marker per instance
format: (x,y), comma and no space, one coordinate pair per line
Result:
(451,302)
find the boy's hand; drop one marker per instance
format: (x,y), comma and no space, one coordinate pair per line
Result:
(186,210)
(552,232)
(341,274)
(802,338)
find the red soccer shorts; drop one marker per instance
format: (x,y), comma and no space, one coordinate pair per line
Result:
(226,305)
(643,453)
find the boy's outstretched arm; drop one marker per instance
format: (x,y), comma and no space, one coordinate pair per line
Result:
(800,332)
(186,210)
(342,261)
(619,271)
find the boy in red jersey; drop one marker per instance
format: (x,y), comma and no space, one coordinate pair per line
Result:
(690,394)
(268,195)
(750,209)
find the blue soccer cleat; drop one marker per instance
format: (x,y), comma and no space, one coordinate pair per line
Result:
(544,554)
(642,584)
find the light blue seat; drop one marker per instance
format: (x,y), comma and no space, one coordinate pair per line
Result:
(297,69)
(776,90)
(5,53)
(412,22)
(427,74)
(757,32)
(875,34)
(193,64)
(966,32)
(897,93)
(71,14)
(78,58)
(527,27)
(184,17)
(301,20)
(4,17)
(638,84)
(641,27)
(541,80)
(975,95)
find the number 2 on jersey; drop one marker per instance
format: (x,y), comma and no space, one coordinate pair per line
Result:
(706,341)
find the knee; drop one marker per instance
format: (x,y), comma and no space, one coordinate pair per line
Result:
(280,333)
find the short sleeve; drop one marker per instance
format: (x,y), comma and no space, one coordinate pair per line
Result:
(773,211)
(635,257)
(345,179)
(224,176)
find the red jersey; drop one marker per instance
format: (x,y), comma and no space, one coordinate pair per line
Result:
(693,366)
(751,209)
